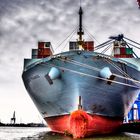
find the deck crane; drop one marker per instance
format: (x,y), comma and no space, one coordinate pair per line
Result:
(120,38)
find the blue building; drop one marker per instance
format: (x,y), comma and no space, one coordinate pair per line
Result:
(134,114)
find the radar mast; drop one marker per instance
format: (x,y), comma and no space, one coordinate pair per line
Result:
(80,30)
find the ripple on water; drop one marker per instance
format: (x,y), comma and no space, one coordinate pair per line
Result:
(28,133)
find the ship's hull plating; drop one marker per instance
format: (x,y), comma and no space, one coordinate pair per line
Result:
(80,124)
(59,97)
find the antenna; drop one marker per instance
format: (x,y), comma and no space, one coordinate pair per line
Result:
(80,32)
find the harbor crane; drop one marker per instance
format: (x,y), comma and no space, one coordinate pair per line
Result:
(13,119)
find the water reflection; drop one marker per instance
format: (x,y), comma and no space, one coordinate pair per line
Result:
(23,133)
(121,136)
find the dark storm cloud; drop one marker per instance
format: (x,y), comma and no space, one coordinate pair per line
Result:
(23,23)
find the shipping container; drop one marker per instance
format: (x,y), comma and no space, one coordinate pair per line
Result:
(40,45)
(117,56)
(44,44)
(88,45)
(122,43)
(122,50)
(120,56)
(44,52)
(47,44)
(124,56)
(73,46)
(40,56)
(41,51)
(117,51)
(129,55)
(129,51)
(115,43)
(47,51)
(34,56)
(44,49)
(34,53)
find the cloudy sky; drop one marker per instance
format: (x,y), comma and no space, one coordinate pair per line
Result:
(24,22)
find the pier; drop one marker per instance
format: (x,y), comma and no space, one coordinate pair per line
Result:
(22,125)
(132,121)
(134,114)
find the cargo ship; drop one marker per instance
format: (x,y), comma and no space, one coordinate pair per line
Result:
(83,92)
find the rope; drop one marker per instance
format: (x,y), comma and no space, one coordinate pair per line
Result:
(95,69)
(96,77)
(133,45)
(117,68)
(127,76)
(133,80)
(65,39)
(132,41)
(133,51)
(103,44)
(90,35)
(79,64)
(109,46)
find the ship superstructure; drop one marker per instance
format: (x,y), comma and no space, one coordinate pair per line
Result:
(82,92)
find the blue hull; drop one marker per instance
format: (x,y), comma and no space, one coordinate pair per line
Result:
(79,72)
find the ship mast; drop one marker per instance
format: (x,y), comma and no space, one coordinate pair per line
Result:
(80,32)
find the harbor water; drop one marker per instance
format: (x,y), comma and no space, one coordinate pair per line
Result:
(43,133)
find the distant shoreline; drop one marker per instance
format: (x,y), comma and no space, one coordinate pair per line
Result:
(23,125)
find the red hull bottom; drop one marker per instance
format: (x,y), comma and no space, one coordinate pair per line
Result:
(80,124)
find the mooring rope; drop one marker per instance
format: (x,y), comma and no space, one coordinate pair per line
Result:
(95,69)
(89,75)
